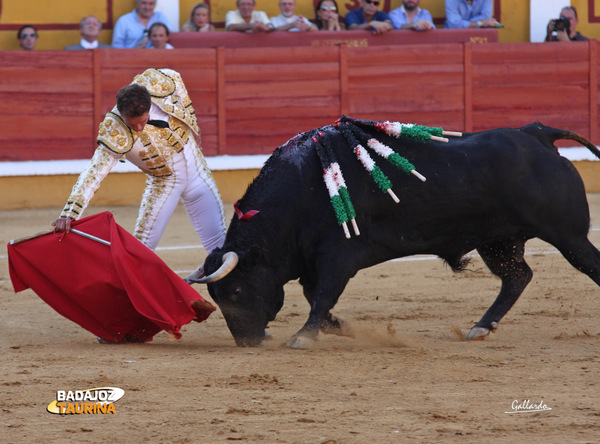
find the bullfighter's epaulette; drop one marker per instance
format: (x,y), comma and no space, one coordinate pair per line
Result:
(353,130)
(114,134)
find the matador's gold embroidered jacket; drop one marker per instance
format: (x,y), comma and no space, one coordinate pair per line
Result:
(150,150)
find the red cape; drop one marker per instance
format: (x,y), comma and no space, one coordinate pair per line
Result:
(112,291)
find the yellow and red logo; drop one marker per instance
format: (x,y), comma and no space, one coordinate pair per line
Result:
(91,401)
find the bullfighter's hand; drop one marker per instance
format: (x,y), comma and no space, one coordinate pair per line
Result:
(62,225)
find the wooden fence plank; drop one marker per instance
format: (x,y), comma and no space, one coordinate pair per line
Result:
(530,97)
(531,73)
(15,150)
(568,118)
(45,60)
(442,101)
(277,55)
(344,80)
(468,87)
(46,104)
(529,53)
(405,55)
(253,72)
(54,80)
(221,105)
(275,89)
(593,89)
(250,100)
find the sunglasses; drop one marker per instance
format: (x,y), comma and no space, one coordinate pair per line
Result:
(328,8)
(24,36)
(371,2)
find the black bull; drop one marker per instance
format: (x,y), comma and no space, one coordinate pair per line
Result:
(490,191)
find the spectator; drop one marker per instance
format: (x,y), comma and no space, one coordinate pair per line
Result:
(327,17)
(153,125)
(368,17)
(28,37)
(89,28)
(246,19)
(567,33)
(410,16)
(461,14)
(288,21)
(131,29)
(199,20)
(159,36)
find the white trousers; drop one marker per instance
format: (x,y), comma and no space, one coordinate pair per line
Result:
(192,182)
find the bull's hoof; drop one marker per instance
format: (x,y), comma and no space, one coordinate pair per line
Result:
(346,329)
(339,328)
(301,342)
(479,333)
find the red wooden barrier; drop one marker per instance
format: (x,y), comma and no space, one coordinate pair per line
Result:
(331,38)
(250,100)
(46,107)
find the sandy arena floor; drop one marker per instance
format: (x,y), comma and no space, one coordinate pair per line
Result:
(407,378)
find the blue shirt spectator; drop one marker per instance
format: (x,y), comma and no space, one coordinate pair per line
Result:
(368,17)
(356,17)
(461,14)
(131,29)
(421,21)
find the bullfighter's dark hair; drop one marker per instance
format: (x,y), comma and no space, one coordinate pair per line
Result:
(133,100)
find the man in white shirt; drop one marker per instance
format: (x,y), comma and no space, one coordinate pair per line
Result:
(246,19)
(288,21)
(131,29)
(89,28)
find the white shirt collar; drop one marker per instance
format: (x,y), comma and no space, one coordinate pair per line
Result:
(88,45)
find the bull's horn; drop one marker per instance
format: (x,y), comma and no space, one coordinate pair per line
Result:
(195,275)
(230,260)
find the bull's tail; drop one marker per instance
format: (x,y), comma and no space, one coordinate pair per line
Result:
(550,135)
(582,140)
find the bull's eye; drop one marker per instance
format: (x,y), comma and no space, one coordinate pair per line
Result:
(236,294)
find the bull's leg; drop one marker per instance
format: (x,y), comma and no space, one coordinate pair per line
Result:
(582,254)
(504,259)
(332,324)
(325,295)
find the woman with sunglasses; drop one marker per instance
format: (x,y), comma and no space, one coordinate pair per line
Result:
(369,18)
(327,17)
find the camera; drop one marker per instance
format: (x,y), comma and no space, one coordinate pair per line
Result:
(562,24)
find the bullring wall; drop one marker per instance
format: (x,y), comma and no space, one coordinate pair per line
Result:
(58,25)
(251,100)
